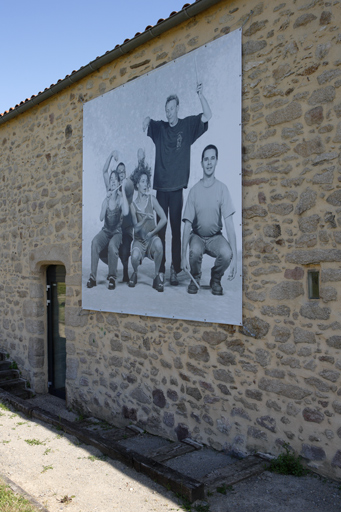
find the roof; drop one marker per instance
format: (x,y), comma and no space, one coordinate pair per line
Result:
(175,18)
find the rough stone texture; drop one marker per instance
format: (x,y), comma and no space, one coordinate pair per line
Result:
(307,200)
(312,452)
(284,115)
(312,415)
(280,388)
(286,290)
(174,377)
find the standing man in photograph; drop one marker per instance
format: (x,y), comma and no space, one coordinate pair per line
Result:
(173,139)
(208,205)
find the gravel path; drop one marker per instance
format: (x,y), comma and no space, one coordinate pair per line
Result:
(49,465)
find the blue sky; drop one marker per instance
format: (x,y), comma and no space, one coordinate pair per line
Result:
(41,42)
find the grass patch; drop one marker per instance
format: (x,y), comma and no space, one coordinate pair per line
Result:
(4,407)
(45,468)
(34,442)
(94,457)
(224,488)
(288,463)
(11,502)
(47,451)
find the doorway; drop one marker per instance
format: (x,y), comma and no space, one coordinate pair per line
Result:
(56,295)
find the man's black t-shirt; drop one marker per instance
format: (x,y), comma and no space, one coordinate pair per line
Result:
(173,151)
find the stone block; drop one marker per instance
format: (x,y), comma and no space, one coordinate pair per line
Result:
(284,115)
(159,398)
(141,397)
(36,352)
(281,209)
(251,47)
(314,116)
(33,309)
(334,342)
(224,376)
(313,311)
(214,338)
(335,198)
(283,389)
(271,150)
(312,452)
(257,433)
(307,200)
(287,290)
(281,333)
(323,95)
(267,422)
(328,293)
(36,291)
(314,256)
(310,147)
(331,375)
(116,345)
(72,365)
(337,406)
(309,224)
(255,327)
(303,336)
(199,353)
(254,211)
(226,358)
(296,274)
(34,326)
(74,317)
(337,459)
(304,19)
(194,392)
(312,415)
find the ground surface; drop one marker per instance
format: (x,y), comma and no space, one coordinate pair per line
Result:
(50,465)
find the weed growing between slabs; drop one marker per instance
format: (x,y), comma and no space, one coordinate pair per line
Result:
(288,463)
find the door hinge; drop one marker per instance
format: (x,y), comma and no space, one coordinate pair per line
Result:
(48,287)
(48,302)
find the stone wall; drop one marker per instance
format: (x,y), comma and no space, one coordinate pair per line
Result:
(275,380)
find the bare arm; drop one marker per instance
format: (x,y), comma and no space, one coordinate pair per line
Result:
(145,123)
(185,241)
(125,205)
(113,154)
(104,208)
(161,214)
(206,111)
(231,236)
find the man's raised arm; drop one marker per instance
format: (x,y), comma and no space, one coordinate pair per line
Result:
(231,236)
(206,111)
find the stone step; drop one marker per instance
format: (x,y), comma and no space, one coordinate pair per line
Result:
(13,384)
(8,374)
(234,473)
(5,365)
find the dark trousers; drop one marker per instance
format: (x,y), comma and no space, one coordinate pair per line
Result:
(171,202)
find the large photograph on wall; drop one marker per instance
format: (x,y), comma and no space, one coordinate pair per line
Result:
(162,225)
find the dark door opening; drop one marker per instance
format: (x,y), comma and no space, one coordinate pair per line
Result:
(56,295)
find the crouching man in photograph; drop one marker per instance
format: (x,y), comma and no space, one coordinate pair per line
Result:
(207,204)
(146,242)
(173,139)
(114,207)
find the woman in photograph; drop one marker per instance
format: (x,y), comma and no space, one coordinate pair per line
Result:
(114,207)
(146,241)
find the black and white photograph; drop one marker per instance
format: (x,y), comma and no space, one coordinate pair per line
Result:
(162,194)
